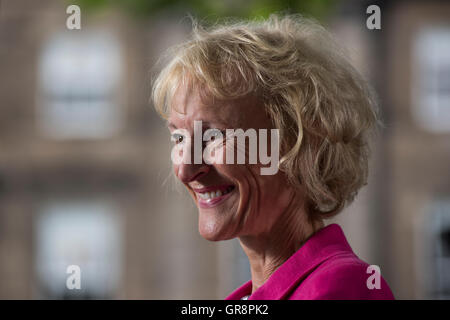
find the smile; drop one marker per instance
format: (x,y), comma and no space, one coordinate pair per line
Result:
(211,196)
(214,194)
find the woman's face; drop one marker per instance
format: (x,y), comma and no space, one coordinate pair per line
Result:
(233,200)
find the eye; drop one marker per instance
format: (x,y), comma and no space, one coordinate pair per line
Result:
(177,138)
(213,134)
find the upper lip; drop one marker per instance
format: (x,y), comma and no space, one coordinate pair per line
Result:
(211,188)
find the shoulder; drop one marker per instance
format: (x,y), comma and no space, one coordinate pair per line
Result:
(341,277)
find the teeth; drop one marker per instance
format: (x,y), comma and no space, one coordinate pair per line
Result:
(214,194)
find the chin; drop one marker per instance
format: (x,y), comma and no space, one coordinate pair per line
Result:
(210,236)
(212,230)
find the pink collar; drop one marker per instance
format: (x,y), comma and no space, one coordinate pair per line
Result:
(324,244)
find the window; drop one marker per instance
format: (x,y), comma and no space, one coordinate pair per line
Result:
(431,79)
(433,248)
(82,233)
(79,76)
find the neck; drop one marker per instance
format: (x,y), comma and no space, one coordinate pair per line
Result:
(269,250)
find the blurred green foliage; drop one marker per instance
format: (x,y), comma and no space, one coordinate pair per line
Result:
(211,10)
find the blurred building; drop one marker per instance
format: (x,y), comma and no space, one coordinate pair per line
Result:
(417,91)
(85,161)
(406,204)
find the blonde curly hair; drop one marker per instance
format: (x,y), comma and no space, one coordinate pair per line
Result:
(322,106)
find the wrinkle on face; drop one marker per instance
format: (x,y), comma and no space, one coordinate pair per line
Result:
(265,212)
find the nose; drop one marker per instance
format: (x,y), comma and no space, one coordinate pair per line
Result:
(188,170)
(191,172)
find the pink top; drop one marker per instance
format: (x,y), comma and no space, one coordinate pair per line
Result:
(325,267)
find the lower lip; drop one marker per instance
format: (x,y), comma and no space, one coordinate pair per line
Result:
(210,203)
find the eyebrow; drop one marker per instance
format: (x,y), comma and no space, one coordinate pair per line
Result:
(205,124)
(170,125)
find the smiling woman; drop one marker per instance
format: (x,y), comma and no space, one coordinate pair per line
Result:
(284,73)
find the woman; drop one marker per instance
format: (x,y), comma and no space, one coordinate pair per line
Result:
(285,75)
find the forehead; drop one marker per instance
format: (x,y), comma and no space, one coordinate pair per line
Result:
(189,105)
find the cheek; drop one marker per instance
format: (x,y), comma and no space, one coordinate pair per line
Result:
(178,173)
(237,174)
(175,169)
(265,192)
(215,154)
(249,190)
